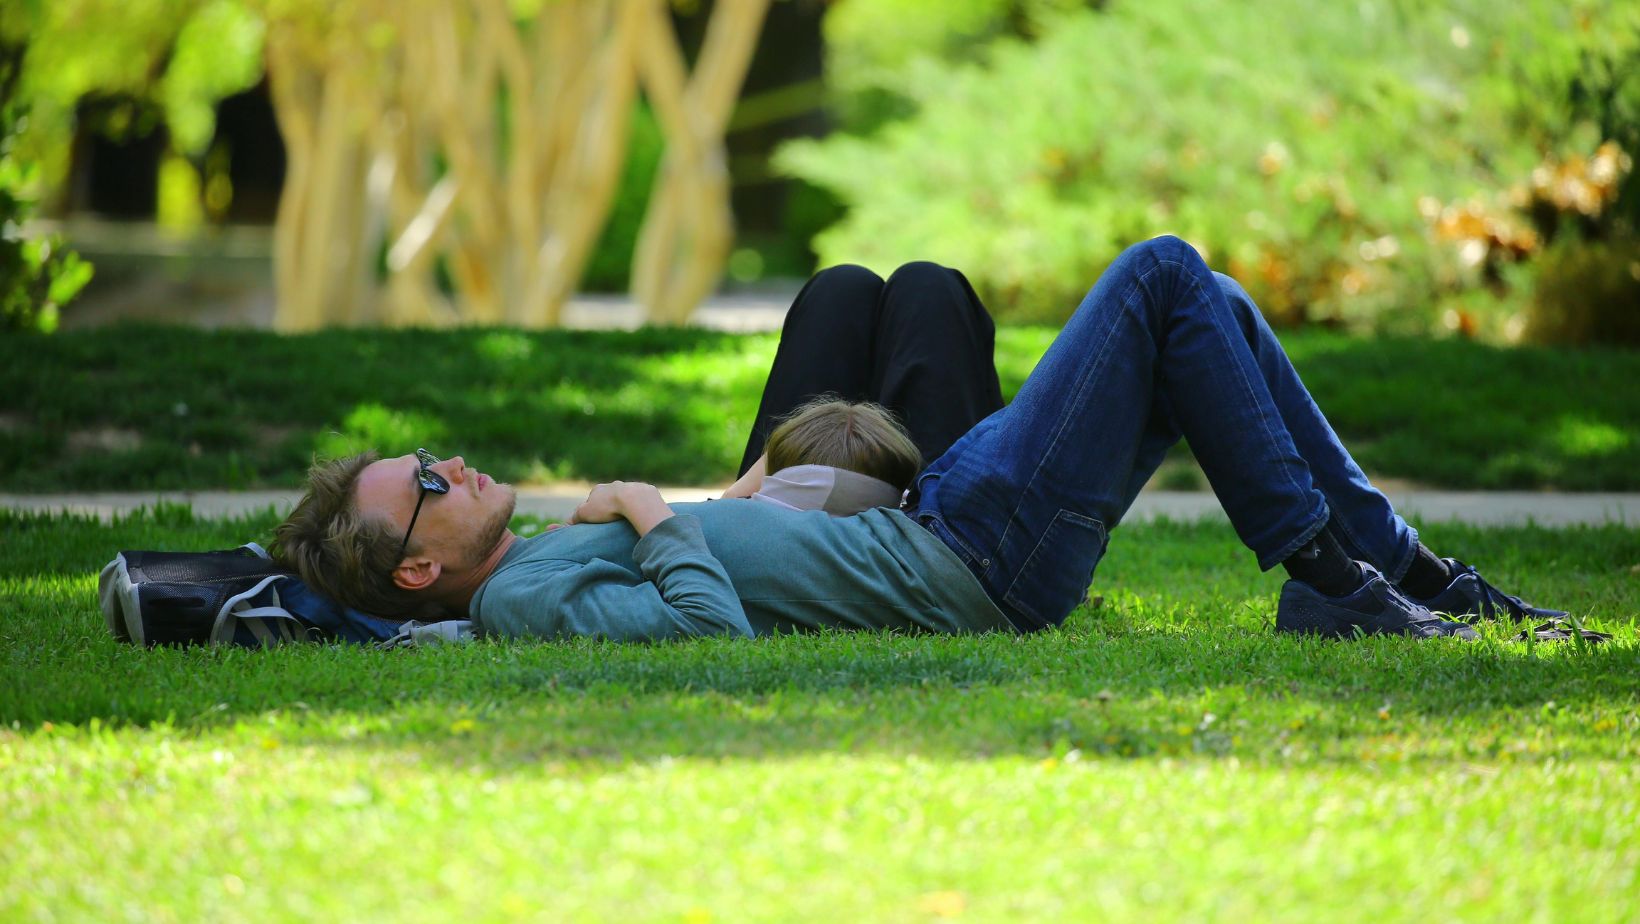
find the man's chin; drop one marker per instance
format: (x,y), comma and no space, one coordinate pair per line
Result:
(510,493)
(490,532)
(504,509)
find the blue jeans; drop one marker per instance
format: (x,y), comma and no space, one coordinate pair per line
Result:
(1162,347)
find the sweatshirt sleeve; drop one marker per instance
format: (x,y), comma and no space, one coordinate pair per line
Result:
(686,592)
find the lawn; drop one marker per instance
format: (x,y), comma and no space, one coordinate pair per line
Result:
(142,408)
(1164,756)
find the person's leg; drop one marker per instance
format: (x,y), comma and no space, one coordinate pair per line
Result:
(826,346)
(1032,498)
(1363,521)
(1027,498)
(934,363)
(1362,518)
(920,344)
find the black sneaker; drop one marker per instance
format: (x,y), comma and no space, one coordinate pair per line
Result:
(1377,608)
(1470,597)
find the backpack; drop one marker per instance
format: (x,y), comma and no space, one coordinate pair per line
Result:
(230,597)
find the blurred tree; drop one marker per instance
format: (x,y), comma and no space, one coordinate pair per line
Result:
(1569,232)
(430,131)
(38,275)
(448,160)
(480,142)
(183,55)
(687,232)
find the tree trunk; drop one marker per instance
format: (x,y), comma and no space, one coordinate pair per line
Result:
(688,230)
(482,151)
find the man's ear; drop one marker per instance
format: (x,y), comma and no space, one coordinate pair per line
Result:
(417,573)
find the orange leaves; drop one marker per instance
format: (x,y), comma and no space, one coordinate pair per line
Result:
(1482,233)
(1583,185)
(1274,158)
(1490,233)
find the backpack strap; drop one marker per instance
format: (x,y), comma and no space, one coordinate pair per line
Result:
(117,597)
(234,610)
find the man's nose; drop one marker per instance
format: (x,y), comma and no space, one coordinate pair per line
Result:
(453,469)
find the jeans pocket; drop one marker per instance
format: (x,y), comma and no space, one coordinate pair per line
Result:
(935,524)
(1055,576)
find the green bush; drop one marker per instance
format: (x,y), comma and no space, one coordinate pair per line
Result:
(1292,143)
(37,275)
(870,44)
(1588,292)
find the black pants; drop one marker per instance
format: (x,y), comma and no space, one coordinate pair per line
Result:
(920,344)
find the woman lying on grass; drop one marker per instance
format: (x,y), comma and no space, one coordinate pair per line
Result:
(842,457)
(1002,527)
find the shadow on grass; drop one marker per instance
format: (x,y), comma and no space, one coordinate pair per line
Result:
(1178,660)
(146,407)
(143,407)
(1218,692)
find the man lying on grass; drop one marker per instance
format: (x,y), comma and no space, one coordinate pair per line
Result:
(1000,531)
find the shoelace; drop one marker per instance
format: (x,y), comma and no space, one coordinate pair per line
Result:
(1492,601)
(1412,605)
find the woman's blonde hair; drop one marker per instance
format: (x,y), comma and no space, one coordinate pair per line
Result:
(856,436)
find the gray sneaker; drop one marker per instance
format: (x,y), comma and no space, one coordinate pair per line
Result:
(1377,608)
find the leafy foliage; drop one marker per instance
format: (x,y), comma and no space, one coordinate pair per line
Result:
(1294,157)
(38,275)
(217,53)
(870,44)
(1589,292)
(185,55)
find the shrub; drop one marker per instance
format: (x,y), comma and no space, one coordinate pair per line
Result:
(1588,292)
(870,43)
(1290,142)
(1564,234)
(37,275)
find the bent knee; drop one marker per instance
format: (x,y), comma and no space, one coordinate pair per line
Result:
(1165,257)
(919,271)
(843,289)
(927,289)
(1242,304)
(1167,248)
(845,275)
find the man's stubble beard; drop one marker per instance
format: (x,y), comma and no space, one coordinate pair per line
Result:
(490,532)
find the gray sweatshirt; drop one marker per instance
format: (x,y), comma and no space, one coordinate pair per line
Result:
(733,567)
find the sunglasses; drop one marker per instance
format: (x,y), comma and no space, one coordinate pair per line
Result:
(431,482)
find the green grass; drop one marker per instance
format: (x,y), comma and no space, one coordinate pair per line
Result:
(165,407)
(1164,756)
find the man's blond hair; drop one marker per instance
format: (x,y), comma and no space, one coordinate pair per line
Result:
(856,436)
(339,552)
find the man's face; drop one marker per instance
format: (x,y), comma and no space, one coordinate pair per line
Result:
(458,528)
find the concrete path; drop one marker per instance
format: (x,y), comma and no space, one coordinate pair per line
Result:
(1488,508)
(160,299)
